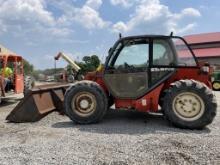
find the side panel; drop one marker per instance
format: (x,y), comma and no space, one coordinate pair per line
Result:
(190,73)
(98,78)
(147,103)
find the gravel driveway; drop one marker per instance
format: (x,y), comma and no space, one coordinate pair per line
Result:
(121,138)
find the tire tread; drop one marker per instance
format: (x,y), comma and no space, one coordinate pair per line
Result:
(199,88)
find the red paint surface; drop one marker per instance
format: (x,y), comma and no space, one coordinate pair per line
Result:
(189,73)
(19,83)
(152,98)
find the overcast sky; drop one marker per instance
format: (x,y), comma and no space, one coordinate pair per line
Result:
(38,29)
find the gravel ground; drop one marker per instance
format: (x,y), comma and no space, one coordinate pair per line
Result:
(122,138)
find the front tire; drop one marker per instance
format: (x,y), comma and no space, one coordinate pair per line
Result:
(189,104)
(85,102)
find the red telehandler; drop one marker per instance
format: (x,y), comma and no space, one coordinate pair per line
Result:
(140,73)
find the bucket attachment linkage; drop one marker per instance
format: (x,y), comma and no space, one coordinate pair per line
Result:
(39,102)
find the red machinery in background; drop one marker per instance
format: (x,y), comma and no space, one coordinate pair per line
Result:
(17,83)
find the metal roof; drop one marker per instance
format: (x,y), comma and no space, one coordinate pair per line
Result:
(203,38)
(204,53)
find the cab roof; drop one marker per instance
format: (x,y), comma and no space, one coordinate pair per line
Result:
(146,36)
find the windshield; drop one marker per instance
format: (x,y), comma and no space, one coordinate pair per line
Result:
(184,55)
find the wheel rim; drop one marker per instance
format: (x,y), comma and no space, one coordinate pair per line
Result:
(188,106)
(216,85)
(84,104)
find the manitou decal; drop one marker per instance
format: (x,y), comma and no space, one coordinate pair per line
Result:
(161,69)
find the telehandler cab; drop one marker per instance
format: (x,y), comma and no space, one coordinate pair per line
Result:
(140,73)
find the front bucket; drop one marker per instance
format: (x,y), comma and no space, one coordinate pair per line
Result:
(38,103)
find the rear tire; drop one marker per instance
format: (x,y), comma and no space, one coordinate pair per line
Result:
(216,85)
(189,104)
(85,102)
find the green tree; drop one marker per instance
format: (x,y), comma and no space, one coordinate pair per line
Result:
(89,64)
(28,68)
(94,60)
(86,59)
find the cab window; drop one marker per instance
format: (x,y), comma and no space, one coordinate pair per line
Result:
(184,55)
(133,55)
(162,53)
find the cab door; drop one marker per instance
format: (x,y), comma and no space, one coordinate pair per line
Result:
(163,61)
(126,73)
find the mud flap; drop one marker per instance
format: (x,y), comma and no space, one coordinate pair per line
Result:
(39,102)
